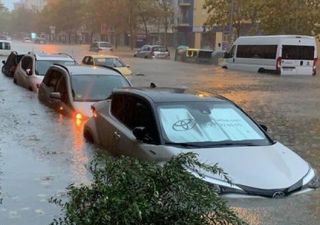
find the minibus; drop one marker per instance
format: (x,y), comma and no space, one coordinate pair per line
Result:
(281,54)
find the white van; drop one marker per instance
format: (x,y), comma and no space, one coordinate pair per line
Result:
(281,54)
(5,47)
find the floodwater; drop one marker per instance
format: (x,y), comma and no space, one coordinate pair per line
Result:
(42,152)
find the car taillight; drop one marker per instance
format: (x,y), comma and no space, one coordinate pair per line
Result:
(278,64)
(315,66)
(93,111)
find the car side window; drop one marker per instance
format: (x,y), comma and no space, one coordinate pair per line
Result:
(26,63)
(61,87)
(134,112)
(51,79)
(142,116)
(117,107)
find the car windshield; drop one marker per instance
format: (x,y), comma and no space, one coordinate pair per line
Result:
(208,124)
(105,45)
(113,62)
(42,66)
(91,88)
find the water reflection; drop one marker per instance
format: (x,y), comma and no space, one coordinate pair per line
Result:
(49,48)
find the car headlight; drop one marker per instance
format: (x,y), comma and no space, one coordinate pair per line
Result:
(221,186)
(311,180)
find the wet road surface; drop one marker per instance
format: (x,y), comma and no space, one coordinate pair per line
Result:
(42,152)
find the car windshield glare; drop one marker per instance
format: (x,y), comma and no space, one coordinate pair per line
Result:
(208,124)
(91,87)
(113,62)
(42,66)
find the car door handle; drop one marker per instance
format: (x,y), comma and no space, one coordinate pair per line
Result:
(116,135)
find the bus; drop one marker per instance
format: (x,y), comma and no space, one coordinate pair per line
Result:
(281,54)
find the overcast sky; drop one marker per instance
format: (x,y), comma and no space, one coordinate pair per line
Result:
(9,3)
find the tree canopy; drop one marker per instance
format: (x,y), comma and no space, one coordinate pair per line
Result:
(266,16)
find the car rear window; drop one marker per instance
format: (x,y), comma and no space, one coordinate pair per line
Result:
(91,87)
(42,66)
(159,49)
(105,45)
(297,52)
(113,62)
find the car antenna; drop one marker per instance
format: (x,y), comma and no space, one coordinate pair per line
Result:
(153,85)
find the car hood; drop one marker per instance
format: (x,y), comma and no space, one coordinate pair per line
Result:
(263,167)
(83,107)
(124,70)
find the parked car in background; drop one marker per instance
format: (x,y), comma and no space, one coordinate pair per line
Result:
(40,40)
(10,65)
(151,124)
(152,51)
(101,46)
(109,61)
(27,40)
(281,54)
(5,47)
(71,90)
(33,66)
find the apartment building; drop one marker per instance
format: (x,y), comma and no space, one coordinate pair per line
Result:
(37,5)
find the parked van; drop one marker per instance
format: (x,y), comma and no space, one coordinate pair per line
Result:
(5,47)
(281,54)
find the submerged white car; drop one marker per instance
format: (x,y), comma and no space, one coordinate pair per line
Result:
(32,67)
(71,90)
(152,124)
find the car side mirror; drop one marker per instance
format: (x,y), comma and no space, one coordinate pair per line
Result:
(139,133)
(3,62)
(264,127)
(55,95)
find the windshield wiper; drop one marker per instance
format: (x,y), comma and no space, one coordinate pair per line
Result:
(185,145)
(210,144)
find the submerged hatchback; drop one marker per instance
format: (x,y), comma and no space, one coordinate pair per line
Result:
(152,124)
(71,90)
(32,67)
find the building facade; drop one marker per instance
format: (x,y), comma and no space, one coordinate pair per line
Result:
(37,5)
(190,18)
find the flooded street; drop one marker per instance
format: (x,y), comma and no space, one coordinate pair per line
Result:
(41,152)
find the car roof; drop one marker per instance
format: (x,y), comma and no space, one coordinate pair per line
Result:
(103,56)
(57,56)
(163,94)
(75,70)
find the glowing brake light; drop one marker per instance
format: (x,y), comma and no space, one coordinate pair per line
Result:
(78,116)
